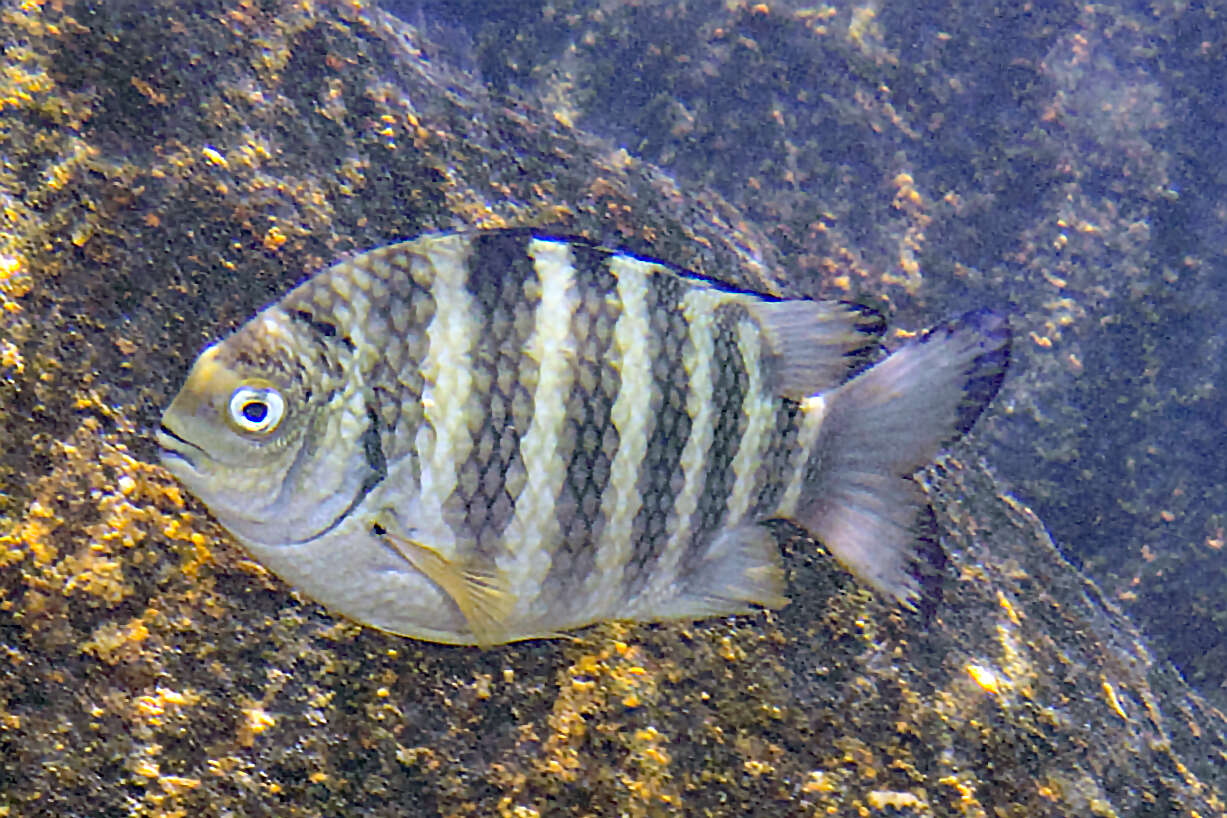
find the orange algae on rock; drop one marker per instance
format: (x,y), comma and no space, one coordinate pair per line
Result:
(186,681)
(600,688)
(123,500)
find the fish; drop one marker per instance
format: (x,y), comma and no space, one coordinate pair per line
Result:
(481,437)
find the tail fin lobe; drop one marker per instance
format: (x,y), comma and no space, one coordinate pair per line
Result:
(879,428)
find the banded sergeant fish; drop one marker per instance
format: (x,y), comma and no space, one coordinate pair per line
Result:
(482,437)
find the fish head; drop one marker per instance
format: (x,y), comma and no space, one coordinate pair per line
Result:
(261,432)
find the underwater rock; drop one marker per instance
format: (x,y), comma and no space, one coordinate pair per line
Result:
(167,171)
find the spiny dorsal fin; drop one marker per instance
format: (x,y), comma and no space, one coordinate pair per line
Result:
(815,344)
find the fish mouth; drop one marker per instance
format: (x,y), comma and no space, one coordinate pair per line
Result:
(173,447)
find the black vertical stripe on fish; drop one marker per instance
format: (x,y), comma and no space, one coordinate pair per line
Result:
(731,382)
(590,441)
(772,475)
(500,271)
(660,476)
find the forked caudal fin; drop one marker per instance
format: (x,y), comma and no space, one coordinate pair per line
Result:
(880,427)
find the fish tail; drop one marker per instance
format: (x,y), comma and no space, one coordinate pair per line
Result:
(857,496)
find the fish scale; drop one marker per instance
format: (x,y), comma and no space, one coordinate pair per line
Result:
(496,435)
(671,425)
(498,362)
(717,430)
(758,411)
(780,452)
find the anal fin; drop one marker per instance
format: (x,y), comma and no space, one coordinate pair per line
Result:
(740,568)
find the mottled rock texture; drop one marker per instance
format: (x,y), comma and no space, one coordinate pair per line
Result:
(168,168)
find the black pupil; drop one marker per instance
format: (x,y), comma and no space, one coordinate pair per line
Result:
(255,411)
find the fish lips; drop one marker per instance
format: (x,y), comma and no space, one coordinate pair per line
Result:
(174,450)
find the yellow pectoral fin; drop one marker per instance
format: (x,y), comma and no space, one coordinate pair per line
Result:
(482,594)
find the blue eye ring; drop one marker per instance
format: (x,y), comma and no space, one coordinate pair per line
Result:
(256,410)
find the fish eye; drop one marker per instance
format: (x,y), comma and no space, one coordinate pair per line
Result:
(256,410)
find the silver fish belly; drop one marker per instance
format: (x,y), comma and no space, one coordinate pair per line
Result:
(481,437)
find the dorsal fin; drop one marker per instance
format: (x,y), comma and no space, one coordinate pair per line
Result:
(815,345)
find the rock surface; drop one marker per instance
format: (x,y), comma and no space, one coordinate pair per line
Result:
(168,170)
